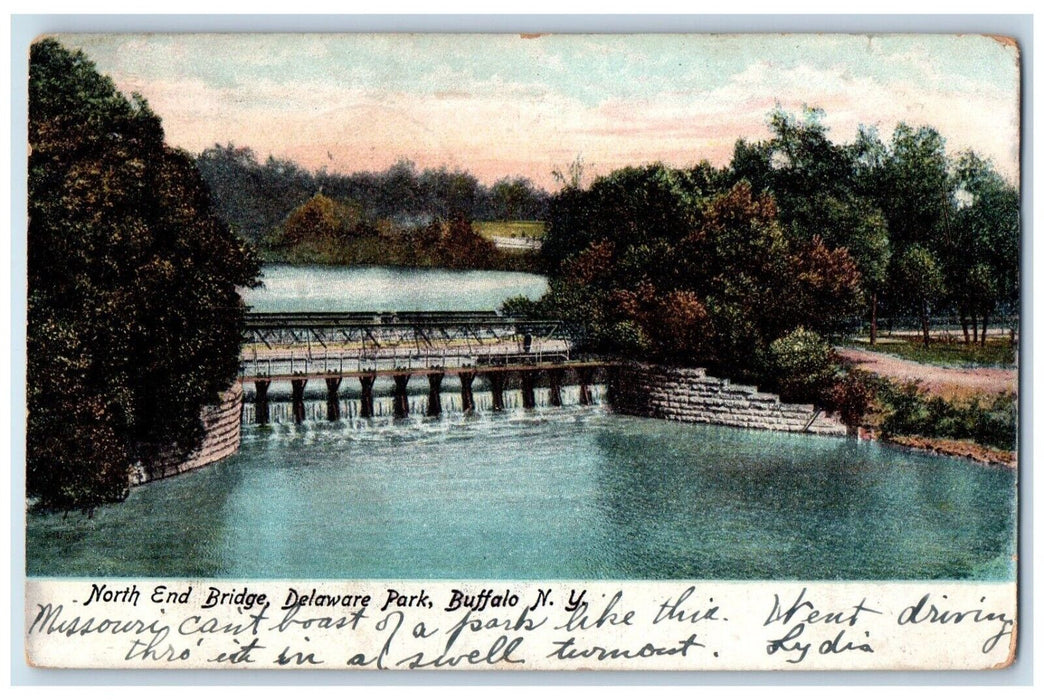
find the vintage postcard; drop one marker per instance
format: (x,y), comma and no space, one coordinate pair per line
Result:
(550,352)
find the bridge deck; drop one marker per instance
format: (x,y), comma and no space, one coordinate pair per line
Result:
(344,344)
(481,369)
(377,329)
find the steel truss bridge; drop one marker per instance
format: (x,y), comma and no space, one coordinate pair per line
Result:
(331,346)
(321,344)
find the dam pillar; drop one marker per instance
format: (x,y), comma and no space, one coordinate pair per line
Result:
(261,401)
(401,403)
(467,398)
(585,375)
(496,387)
(333,405)
(366,398)
(434,398)
(297,387)
(528,378)
(555,377)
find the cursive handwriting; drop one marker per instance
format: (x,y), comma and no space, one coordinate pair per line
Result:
(567,649)
(579,619)
(453,626)
(672,610)
(924,611)
(803,613)
(49,620)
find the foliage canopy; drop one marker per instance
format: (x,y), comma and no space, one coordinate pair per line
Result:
(679,266)
(134,320)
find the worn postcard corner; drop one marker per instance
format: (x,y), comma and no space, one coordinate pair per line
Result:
(536,352)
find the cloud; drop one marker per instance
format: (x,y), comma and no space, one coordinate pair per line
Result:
(500,106)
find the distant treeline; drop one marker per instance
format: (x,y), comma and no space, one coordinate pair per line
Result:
(256,198)
(329,232)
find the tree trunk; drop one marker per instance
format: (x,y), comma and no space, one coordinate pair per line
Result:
(983,336)
(924,323)
(975,328)
(873,319)
(964,327)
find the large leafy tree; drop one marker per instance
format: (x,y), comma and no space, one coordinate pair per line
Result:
(134,319)
(814,184)
(983,247)
(909,181)
(516,198)
(674,265)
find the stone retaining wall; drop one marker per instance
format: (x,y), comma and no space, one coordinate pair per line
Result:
(688,395)
(222,424)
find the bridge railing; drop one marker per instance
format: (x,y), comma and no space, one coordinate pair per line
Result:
(271,329)
(400,358)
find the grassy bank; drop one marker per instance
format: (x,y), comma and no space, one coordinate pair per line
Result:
(965,449)
(908,410)
(947,352)
(983,427)
(510,229)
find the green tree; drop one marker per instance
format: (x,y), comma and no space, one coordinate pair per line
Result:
(814,184)
(661,263)
(918,278)
(513,199)
(449,194)
(632,206)
(982,258)
(909,181)
(134,319)
(253,198)
(320,220)
(805,165)
(860,228)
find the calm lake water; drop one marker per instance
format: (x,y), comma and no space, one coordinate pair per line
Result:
(571,492)
(324,288)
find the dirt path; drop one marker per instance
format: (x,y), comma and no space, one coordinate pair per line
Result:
(948,382)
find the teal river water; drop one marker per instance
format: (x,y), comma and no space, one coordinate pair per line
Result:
(572,492)
(319,288)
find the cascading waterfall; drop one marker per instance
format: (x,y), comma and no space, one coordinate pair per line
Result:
(280,410)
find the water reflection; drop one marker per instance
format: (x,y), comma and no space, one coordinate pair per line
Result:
(568,492)
(710,502)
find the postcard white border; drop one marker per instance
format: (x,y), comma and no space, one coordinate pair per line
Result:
(25,27)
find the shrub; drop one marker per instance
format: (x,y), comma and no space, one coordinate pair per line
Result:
(905,410)
(997,425)
(520,305)
(851,396)
(627,338)
(801,365)
(910,411)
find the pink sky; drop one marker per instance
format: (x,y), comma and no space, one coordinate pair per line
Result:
(504,106)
